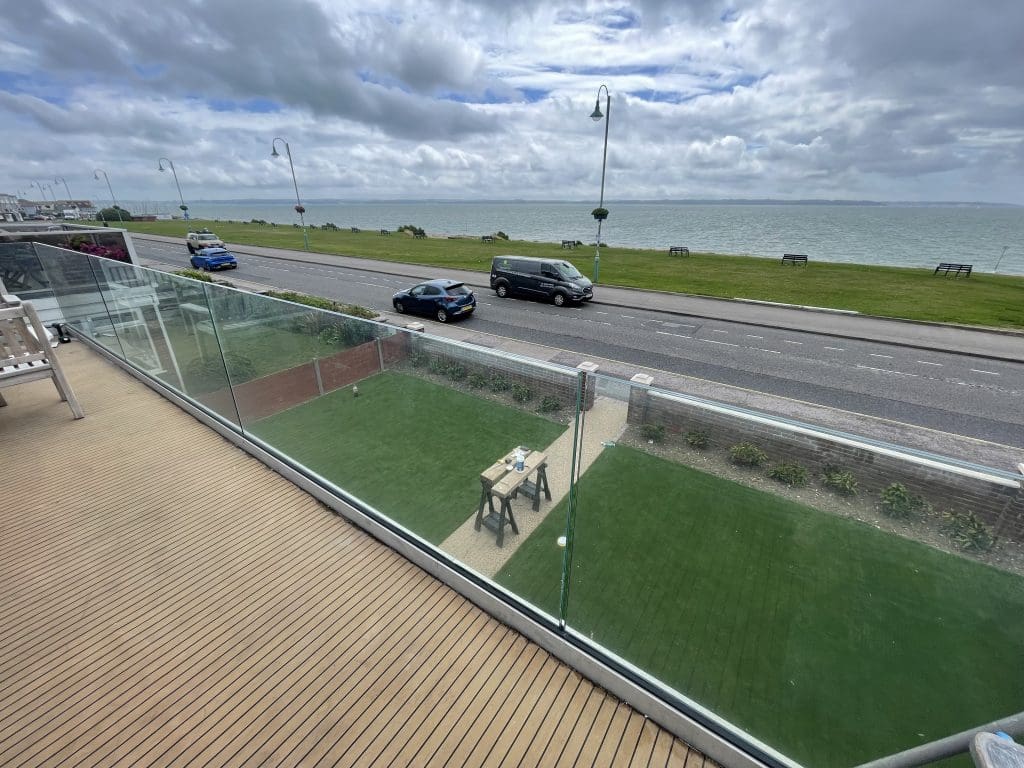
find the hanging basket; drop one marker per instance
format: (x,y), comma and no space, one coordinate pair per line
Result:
(300,209)
(600,213)
(183,207)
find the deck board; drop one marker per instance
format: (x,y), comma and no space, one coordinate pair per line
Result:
(168,599)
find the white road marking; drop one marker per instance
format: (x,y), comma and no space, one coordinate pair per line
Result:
(925,362)
(602,322)
(677,335)
(596,312)
(752,336)
(836,349)
(989,373)
(787,341)
(715,330)
(883,370)
(723,343)
(887,357)
(773,351)
(628,317)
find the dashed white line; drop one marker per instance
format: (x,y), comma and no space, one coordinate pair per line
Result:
(716,330)
(773,351)
(723,343)
(836,349)
(677,335)
(925,362)
(628,317)
(883,370)
(599,313)
(752,336)
(887,357)
(787,341)
(988,373)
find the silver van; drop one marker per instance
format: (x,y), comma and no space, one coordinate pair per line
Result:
(547,279)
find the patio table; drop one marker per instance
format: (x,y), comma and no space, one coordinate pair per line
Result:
(502,481)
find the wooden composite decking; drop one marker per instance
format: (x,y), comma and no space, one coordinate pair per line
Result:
(166,599)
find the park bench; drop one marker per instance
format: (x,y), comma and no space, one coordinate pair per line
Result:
(568,243)
(678,250)
(954,269)
(419,235)
(487,238)
(385,231)
(355,230)
(794,258)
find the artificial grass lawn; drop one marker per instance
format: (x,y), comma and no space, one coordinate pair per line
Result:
(825,638)
(982,299)
(411,448)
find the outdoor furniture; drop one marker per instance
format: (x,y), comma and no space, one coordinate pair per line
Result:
(678,250)
(794,259)
(568,243)
(419,235)
(487,238)
(506,484)
(355,230)
(954,269)
(25,354)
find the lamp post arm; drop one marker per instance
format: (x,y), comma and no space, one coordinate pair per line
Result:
(604,159)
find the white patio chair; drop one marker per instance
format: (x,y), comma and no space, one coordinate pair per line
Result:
(25,355)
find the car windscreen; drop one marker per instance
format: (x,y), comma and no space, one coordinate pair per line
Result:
(458,290)
(207,237)
(568,271)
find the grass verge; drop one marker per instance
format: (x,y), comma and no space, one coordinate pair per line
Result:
(982,299)
(826,638)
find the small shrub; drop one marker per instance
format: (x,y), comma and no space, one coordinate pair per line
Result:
(839,480)
(747,455)
(549,404)
(477,380)
(653,432)
(901,504)
(455,372)
(967,532)
(499,383)
(438,365)
(195,274)
(417,359)
(501,235)
(789,473)
(698,438)
(521,393)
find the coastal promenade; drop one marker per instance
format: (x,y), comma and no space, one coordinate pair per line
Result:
(994,344)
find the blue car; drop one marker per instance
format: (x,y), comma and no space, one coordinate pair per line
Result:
(442,299)
(213,258)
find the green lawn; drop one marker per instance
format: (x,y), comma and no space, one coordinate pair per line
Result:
(982,299)
(411,448)
(826,638)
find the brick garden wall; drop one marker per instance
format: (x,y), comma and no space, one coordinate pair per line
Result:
(998,505)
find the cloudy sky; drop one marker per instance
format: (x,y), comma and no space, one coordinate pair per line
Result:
(790,99)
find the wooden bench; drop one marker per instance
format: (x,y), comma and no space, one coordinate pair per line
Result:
(954,269)
(419,235)
(678,250)
(355,230)
(794,259)
(385,231)
(568,243)
(487,238)
(505,484)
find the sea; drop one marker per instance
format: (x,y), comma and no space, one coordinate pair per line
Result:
(897,235)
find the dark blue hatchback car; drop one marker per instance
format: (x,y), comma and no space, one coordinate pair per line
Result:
(213,258)
(442,299)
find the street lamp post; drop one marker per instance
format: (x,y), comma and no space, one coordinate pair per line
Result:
(299,207)
(596,117)
(66,190)
(1000,259)
(41,192)
(160,166)
(96,175)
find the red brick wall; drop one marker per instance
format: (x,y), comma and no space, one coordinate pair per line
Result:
(349,366)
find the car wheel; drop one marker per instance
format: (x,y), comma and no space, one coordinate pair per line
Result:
(399,308)
(502,291)
(190,248)
(558,299)
(442,316)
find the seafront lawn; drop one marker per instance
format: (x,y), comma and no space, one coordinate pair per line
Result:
(982,299)
(411,448)
(826,638)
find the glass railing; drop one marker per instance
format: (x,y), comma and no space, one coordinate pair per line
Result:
(815,597)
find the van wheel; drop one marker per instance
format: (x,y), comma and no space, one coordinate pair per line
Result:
(559,299)
(442,316)
(502,291)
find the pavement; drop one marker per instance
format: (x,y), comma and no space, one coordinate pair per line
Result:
(1002,346)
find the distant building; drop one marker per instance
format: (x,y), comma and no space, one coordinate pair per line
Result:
(10,209)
